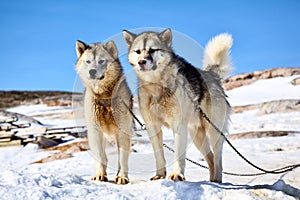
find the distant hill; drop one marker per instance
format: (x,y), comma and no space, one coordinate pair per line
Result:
(51,98)
(57,98)
(248,78)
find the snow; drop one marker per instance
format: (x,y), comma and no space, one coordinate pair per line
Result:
(69,179)
(49,116)
(264,90)
(21,178)
(250,121)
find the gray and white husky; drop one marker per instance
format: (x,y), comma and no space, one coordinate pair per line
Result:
(170,91)
(107,102)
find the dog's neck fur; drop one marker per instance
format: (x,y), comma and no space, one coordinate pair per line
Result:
(193,78)
(178,72)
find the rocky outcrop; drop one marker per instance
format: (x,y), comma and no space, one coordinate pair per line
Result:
(279,106)
(28,119)
(296,81)
(51,98)
(248,78)
(259,134)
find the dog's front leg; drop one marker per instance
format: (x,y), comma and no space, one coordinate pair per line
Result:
(97,145)
(180,138)
(123,142)
(155,135)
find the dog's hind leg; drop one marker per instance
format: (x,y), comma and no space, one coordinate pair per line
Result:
(216,142)
(201,141)
(123,143)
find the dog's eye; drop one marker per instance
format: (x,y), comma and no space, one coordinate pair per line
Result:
(101,61)
(152,50)
(137,51)
(88,61)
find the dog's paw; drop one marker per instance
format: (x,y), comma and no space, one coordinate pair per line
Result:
(157,177)
(100,177)
(215,180)
(121,180)
(176,177)
(161,174)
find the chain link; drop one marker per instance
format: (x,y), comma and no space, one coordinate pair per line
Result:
(194,99)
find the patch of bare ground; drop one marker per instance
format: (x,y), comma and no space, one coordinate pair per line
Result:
(277,106)
(259,134)
(65,151)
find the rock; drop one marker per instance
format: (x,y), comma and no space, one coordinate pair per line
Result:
(277,106)
(45,142)
(31,120)
(55,156)
(280,106)
(248,78)
(71,147)
(296,81)
(259,134)
(240,109)
(65,151)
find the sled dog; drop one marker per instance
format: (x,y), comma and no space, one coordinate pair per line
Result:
(170,91)
(107,101)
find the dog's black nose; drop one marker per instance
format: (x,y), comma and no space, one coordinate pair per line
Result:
(93,72)
(142,62)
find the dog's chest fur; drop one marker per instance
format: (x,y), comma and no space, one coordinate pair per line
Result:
(104,115)
(173,96)
(162,104)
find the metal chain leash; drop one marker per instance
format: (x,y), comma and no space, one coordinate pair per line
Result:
(194,99)
(143,126)
(264,171)
(203,114)
(203,166)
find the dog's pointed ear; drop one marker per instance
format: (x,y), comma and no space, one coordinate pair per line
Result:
(129,37)
(166,36)
(111,48)
(80,47)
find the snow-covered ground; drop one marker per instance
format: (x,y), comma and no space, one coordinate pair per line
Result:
(70,178)
(264,90)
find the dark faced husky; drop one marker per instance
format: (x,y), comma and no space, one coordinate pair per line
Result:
(106,105)
(170,91)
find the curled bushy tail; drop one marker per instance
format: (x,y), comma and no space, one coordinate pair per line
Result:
(217,55)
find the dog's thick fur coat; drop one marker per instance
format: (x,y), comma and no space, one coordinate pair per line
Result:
(169,91)
(106,102)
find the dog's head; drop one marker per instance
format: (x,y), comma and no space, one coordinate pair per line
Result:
(149,52)
(94,60)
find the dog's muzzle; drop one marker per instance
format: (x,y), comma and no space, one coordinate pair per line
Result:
(93,74)
(146,65)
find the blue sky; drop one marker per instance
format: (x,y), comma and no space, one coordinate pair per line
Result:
(37,50)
